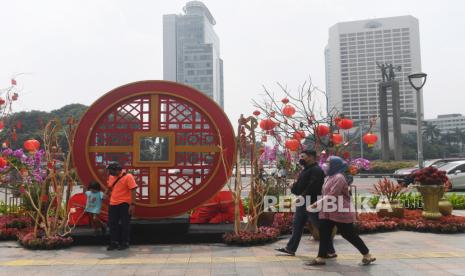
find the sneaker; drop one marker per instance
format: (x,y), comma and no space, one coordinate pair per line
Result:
(285,251)
(112,247)
(123,246)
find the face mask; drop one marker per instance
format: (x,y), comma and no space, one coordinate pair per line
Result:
(325,168)
(302,162)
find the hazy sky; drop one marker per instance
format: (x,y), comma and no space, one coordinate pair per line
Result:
(75,51)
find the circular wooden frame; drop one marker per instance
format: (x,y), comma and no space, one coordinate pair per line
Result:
(218,153)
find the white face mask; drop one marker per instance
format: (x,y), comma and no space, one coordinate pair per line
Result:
(325,168)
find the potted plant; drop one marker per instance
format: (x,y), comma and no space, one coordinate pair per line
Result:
(389,205)
(430,182)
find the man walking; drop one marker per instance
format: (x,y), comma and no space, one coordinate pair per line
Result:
(122,187)
(307,187)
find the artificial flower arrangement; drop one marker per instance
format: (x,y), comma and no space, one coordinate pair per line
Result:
(430,176)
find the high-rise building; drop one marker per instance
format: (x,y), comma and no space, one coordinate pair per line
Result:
(351,55)
(191,50)
(448,123)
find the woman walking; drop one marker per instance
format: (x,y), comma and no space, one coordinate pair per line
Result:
(337,213)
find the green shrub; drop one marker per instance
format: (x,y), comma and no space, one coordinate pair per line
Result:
(411,200)
(390,167)
(458,201)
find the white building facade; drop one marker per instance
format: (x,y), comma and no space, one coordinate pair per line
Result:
(191,50)
(447,123)
(351,55)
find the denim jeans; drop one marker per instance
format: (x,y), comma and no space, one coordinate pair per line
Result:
(301,216)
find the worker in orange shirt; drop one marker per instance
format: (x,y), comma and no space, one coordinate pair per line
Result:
(122,189)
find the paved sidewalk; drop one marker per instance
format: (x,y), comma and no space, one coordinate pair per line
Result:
(398,253)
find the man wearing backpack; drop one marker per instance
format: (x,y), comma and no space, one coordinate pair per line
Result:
(122,187)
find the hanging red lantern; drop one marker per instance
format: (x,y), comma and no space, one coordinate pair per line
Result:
(14,97)
(292,144)
(285,100)
(288,110)
(345,123)
(299,135)
(19,125)
(370,139)
(2,101)
(2,125)
(322,130)
(336,138)
(256,113)
(2,162)
(31,145)
(267,124)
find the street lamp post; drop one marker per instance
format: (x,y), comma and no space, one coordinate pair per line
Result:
(417,81)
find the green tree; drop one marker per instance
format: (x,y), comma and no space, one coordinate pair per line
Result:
(30,124)
(431,132)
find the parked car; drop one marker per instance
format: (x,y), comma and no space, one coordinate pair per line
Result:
(405,177)
(456,172)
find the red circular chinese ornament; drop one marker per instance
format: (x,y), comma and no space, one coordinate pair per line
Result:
(370,139)
(2,101)
(288,110)
(336,138)
(267,124)
(2,162)
(292,144)
(299,135)
(345,123)
(31,145)
(256,112)
(2,125)
(322,130)
(285,100)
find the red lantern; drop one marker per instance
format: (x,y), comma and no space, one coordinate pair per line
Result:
(336,138)
(2,125)
(256,113)
(285,100)
(292,144)
(288,110)
(299,135)
(267,124)
(2,101)
(345,124)
(322,130)
(14,97)
(31,145)
(19,125)
(2,162)
(370,139)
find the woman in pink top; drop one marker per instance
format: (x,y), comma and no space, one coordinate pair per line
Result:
(337,210)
